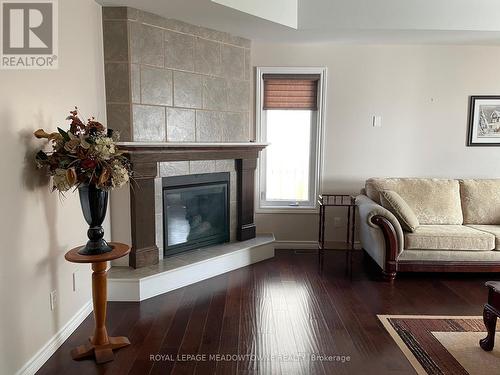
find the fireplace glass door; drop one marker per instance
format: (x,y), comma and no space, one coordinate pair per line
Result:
(195,211)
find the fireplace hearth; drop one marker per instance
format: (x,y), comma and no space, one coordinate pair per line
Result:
(195,211)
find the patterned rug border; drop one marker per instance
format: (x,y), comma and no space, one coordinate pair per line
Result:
(384,319)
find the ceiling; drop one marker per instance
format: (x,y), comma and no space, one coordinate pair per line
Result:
(346,21)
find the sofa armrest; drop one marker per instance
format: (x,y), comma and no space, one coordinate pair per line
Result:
(381,234)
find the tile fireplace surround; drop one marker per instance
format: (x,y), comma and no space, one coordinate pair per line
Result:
(146,158)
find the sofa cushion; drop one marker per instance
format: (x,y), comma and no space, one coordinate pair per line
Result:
(493,229)
(480,201)
(398,206)
(449,237)
(434,201)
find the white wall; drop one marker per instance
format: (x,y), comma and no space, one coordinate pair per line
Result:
(36,226)
(429,15)
(421,92)
(283,12)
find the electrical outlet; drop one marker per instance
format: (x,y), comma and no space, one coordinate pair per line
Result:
(76,278)
(53,299)
(377,121)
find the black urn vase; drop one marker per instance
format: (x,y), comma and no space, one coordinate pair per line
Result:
(94,204)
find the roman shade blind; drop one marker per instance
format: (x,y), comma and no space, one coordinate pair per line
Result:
(291,91)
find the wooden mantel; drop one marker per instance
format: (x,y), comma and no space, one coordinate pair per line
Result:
(145,157)
(147,152)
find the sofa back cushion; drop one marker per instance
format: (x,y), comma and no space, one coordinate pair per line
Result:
(480,201)
(398,206)
(434,201)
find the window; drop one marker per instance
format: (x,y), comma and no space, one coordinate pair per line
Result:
(289,114)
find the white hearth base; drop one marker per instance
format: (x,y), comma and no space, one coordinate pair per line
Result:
(128,284)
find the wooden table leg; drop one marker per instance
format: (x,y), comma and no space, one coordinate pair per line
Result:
(100,344)
(353,229)
(99,298)
(490,321)
(321,247)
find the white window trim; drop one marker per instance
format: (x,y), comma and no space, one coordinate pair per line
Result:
(321,114)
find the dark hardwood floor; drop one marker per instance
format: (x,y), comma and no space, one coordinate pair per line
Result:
(277,307)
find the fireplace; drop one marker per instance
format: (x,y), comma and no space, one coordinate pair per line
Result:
(195,211)
(146,193)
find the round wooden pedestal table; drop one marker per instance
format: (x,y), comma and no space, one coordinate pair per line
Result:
(100,345)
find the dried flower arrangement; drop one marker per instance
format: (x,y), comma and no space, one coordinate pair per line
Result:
(85,154)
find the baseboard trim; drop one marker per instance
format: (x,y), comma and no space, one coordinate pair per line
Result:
(302,245)
(296,245)
(39,359)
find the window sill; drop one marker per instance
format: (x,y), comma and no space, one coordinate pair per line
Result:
(287,210)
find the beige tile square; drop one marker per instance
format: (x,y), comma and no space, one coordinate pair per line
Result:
(214,93)
(115,41)
(174,168)
(181,125)
(156,86)
(135,83)
(146,44)
(234,127)
(233,61)
(149,123)
(207,57)
(238,95)
(208,126)
(187,90)
(117,78)
(201,166)
(179,51)
(118,116)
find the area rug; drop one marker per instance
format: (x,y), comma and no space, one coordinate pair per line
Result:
(442,345)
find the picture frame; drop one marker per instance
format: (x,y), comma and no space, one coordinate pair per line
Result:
(484,120)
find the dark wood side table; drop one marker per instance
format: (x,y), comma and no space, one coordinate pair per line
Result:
(490,314)
(100,345)
(337,200)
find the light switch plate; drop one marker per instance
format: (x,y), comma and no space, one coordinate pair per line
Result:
(377,121)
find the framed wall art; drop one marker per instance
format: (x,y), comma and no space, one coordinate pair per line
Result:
(484,121)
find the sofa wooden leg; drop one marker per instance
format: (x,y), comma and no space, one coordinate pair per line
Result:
(388,276)
(490,321)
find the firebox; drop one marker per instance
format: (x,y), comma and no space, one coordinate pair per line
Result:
(195,211)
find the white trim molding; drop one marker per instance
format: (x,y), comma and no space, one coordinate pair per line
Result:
(296,245)
(318,146)
(39,359)
(286,211)
(306,245)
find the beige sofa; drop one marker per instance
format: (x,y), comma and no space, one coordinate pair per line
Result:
(458,225)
